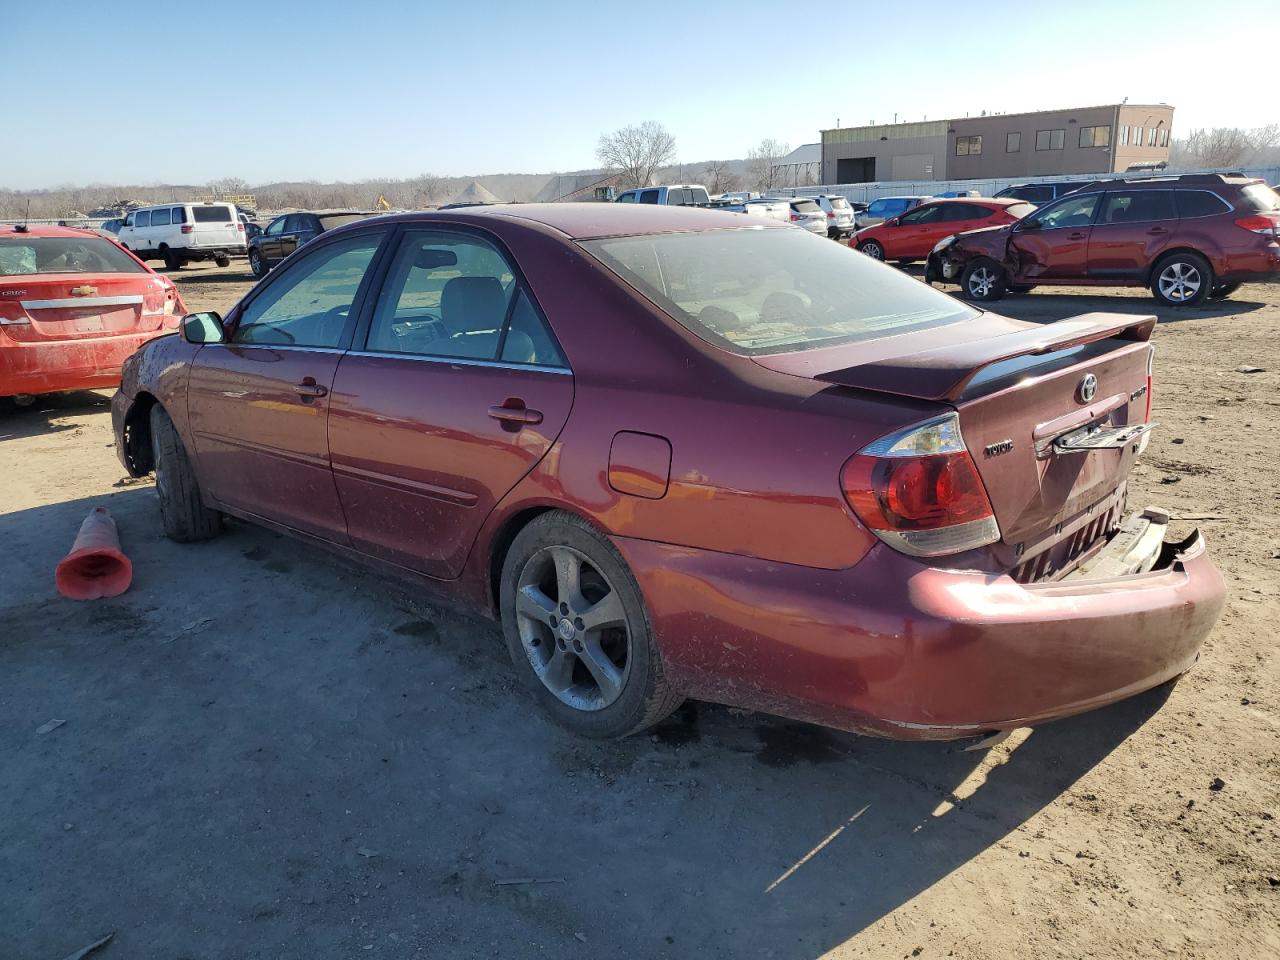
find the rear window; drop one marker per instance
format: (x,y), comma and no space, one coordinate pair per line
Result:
(758,291)
(839,203)
(1261,198)
(31,255)
(329,221)
(213,214)
(807,206)
(699,195)
(1019,210)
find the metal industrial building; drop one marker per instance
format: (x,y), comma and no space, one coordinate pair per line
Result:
(1082,140)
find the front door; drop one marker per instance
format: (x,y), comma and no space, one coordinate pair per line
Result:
(458,392)
(258,403)
(1053,243)
(269,245)
(915,232)
(1132,229)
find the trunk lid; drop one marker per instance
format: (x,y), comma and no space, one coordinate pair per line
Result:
(42,308)
(1018,388)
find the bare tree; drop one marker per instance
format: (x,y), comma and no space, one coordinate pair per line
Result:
(720,177)
(228,186)
(1228,146)
(762,163)
(635,152)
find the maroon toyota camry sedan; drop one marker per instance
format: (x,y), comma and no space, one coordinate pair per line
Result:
(681,453)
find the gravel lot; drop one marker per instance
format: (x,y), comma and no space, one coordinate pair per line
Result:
(268,753)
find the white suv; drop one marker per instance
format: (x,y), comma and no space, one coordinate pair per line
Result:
(180,232)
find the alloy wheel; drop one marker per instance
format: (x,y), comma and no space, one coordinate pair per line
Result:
(573,627)
(873,250)
(982,282)
(1180,281)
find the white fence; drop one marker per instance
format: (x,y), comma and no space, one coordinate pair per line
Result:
(866,192)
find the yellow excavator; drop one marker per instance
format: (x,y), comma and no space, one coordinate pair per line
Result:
(381,204)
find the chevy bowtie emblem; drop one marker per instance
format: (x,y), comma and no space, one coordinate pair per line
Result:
(84,291)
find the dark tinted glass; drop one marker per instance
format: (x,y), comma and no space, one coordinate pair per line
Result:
(1198,203)
(160,218)
(1138,206)
(649,196)
(218,214)
(179,215)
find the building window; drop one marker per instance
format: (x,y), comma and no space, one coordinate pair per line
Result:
(1012,142)
(1151,136)
(1050,139)
(1137,136)
(1124,135)
(1095,136)
(968,146)
(1164,136)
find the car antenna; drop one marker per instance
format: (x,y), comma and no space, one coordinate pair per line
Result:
(22,227)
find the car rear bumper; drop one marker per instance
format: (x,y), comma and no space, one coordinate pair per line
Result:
(898,649)
(60,365)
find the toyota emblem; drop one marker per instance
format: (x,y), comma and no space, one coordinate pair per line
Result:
(1088,387)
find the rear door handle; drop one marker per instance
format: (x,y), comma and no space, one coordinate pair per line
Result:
(513,411)
(309,388)
(1156,231)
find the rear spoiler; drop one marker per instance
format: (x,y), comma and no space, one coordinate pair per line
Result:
(943,372)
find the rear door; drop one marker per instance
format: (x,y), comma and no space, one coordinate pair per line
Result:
(1133,228)
(1053,242)
(459,390)
(214,225)
(258,404)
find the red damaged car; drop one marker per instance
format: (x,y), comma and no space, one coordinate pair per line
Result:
(73,305)
(679,456)
(910,236)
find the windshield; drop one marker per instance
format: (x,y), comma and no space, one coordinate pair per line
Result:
(757,290)
(28,255)
(887,208)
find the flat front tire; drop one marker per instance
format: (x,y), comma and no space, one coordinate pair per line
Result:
(578,632)
(183,513)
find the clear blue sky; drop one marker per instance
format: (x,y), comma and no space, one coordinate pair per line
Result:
(142,92)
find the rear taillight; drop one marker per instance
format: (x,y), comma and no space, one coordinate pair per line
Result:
(919,491)
(240,227)
(188,228)
(831,216)
(1264,223)
(1151,357)
(795,217)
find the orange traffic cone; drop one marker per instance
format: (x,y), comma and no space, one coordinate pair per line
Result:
(95,567)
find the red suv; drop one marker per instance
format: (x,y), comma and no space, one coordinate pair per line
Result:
(1187,238)
(910,236)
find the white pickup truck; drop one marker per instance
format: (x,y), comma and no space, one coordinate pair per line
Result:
(671,195)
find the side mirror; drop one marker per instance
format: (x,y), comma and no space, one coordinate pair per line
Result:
(893,222)
(1028,224)
(203,328)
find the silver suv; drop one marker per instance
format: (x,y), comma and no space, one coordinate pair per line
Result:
(839,215)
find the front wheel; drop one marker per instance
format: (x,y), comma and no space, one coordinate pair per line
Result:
(577,630)
(983,280)
(1182,279)
(872,249)
(182,511)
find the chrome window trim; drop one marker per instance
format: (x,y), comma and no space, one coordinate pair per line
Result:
(296,347)
(81,302)
(462,361)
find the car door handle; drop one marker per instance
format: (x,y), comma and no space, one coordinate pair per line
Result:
(309,388)
(513,411)
(1156,231)
(1075,236)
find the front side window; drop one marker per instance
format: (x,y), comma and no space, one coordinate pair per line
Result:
(921,215)
(454,295)
(1071,212)
(1050,139)
(29,255)
(129,220)
(1138,206)
(968,146)
(649,196)
(1095,136)
(1012,142)
(760,291)
(275,227)
(677,197)
(160,218)
(956,212)
(626,198)
(309,304)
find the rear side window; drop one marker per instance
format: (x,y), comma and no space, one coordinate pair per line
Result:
(1138,206)
(807,206)
(1199,203)
(178,214)
(142,218)
(649,196)
(160,218)
(217,214)
(32,255)
(698,195)
(677,197)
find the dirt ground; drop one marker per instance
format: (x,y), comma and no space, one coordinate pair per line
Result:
(268,753)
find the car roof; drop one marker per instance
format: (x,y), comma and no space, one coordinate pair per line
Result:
(994,201)
(47,230)
(589,220)
(917,196)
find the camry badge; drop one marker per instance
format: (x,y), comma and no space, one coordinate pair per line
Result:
(1088,387)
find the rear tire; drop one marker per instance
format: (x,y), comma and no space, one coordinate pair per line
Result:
(983,280)
(604,681)
(222,261)
(182,511)
(872,249)
(1223,290)
(1182,280)
(171,260)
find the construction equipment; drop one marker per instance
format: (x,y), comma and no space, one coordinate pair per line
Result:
(381,204)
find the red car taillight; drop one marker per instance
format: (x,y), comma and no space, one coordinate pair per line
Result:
(795,217)
(919,491)
(240,227)
(1264,223)
(188,228)
(1151,356)
(831,216)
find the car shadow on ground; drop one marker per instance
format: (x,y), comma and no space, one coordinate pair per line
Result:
(270,752)
(192,274)
(47,413)
(1042,307)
